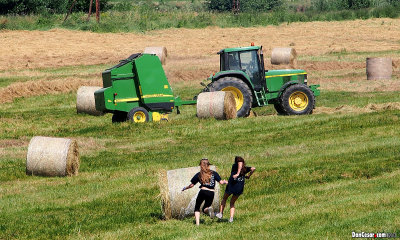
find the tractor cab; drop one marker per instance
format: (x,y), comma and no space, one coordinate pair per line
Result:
(249,60)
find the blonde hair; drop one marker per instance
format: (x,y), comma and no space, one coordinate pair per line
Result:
(205,172)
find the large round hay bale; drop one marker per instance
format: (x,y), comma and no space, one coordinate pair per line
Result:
(161,53)
(52,157)
(85,102)
(284,56)
(174,202)
(219,104)
(379,68)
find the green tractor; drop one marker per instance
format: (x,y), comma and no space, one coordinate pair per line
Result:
(138,90)
(242,73)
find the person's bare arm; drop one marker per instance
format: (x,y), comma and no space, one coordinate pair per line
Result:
(223,182)
(252,169)
(240,165)
(187,187)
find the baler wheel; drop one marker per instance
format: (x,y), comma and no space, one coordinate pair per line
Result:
(138,115)
(119,117)
(298,99)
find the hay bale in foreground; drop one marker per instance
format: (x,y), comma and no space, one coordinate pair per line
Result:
(52,157)
(161,53)
(85,102)
(220,105)
(174,202)
(284,56)
(379,68)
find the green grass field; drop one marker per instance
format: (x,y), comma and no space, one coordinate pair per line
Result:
(319,176)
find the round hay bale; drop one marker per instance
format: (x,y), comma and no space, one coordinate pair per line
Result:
(284,56)
(379,68)
(53,157)
(174,202)
(85,102)
(161,53)
(220,105)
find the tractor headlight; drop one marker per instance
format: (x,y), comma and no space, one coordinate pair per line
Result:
(305,78)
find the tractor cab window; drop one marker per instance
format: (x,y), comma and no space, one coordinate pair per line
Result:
(250,65)
(246,61)
(233,61)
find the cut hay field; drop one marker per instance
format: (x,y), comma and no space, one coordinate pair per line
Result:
(320,176)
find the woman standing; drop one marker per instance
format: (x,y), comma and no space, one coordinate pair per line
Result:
(207,179)
(235,185)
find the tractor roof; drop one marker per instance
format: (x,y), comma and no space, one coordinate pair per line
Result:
(239,49)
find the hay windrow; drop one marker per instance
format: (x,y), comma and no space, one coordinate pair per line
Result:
(353,109)
(40,87)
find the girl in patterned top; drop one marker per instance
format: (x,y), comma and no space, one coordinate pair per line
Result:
(207,179)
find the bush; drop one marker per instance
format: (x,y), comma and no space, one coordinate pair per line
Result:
(260,5)
(245,6)
(332,5)
(46,6)
(220,5)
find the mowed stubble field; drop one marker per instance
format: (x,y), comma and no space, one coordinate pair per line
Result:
(318,176)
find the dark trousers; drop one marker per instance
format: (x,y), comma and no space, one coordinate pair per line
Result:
(204,195)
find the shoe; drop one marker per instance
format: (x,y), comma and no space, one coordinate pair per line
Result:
(230,220)
(211,212)
(219,215)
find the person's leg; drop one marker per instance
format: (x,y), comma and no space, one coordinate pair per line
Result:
(207,209)
(232,210)
(197,217)
(199,201)
(223,203)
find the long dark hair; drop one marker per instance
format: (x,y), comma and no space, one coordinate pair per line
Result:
(205,172)
(239,159)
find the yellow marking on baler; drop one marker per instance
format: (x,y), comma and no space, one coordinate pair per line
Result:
(156,95)
(166,86)
(285,75)
(126,100)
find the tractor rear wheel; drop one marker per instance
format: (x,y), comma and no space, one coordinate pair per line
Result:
(297,99)
(240,90)
(138,115)
(279,109)
(119,117)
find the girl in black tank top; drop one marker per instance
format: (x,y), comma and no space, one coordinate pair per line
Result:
(235,185)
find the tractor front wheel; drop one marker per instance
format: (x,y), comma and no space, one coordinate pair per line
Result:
(297,99)
(138,115)
(240,91)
